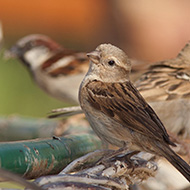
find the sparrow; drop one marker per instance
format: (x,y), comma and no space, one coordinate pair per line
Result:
(118,113)
(167,80)
(56,70)
(166,86)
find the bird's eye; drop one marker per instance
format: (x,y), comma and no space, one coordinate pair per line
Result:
(111,62)
(33,43)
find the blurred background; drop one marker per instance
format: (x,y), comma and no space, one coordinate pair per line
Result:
(147,30)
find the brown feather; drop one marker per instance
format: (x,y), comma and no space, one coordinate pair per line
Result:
(164,81)
(76,66)
(124,103)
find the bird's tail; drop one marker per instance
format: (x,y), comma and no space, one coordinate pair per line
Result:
(176,161)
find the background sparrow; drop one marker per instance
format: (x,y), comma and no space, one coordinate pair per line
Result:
(166,86)
(56,70)
(118,113)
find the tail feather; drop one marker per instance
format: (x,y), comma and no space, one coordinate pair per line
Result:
(177,162)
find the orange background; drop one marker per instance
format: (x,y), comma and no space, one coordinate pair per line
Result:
(146,29)
(71,21)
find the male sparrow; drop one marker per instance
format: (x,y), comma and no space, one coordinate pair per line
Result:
(56,70)
(118,113)
(166,86)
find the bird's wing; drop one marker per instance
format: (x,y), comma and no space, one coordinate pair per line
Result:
(68,63)
(123,103)
(167,80)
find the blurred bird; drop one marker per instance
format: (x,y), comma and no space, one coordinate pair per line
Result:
(166,86)
(56,70)
(118,113)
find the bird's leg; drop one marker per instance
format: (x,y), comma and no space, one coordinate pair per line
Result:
(122,151)
(127,157)
(121,154)
(108,155)
(112,154)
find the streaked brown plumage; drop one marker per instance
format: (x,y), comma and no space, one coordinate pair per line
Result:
(167,80)
(166,86)
(118,113)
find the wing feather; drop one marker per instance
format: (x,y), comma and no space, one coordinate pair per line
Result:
(124,104)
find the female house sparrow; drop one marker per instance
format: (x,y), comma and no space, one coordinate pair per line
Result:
(117,112)
(166,86)
(56,70)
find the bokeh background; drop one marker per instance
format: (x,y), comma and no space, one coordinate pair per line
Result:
(147,30)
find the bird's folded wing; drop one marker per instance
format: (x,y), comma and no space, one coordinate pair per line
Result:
(123,103)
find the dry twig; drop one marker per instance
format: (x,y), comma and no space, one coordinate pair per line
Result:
(117,172)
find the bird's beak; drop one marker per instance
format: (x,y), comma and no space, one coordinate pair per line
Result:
(11,53)
(94,56)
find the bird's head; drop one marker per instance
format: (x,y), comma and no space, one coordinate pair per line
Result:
(33,49)
(109,63)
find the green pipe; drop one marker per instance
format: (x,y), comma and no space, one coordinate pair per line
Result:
(39,157)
